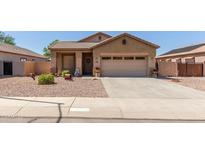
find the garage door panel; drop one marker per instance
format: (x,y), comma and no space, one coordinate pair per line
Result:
(123,68)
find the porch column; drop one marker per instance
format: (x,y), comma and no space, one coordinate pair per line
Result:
(96,60)
(53,62)
(59,62)
(78,61)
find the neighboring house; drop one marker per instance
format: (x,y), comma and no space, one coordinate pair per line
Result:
(12,58)
(122,55)
(190,54)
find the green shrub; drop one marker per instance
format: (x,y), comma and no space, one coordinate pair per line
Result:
(46,79)
(65,72)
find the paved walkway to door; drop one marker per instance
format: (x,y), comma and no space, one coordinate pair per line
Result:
(148,88)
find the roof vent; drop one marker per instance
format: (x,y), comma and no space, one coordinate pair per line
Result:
(124,41)
(100,38)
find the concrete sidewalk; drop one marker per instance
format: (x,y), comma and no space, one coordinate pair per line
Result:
(111,108)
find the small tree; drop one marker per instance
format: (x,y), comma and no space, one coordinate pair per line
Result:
(6,39)
(46,51)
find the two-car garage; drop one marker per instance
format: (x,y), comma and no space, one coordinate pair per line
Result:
(124,66)
(124,56)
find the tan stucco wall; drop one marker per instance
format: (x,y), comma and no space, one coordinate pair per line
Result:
(59,62)
(200,59)
(56,62)
(18,67)
(132,47)
(78,61)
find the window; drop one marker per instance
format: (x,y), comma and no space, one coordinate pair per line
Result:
(128,58)
(179,60)
(100,38)
(23,59)
(124,42)
(140,58)
(106,58)
(117,58)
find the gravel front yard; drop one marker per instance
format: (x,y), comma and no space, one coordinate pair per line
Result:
(192,82)
(27,87)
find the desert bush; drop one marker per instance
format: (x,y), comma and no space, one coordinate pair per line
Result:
(64,72)
(44,79)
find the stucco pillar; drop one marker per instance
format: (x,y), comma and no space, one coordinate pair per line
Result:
(53,62)
(151,65)
(96,60)
(59,62)
(78,61)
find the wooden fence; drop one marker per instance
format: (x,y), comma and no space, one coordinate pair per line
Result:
(181,69)
(190,70)
(167,69)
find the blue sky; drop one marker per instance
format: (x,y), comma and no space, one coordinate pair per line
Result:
(37,40)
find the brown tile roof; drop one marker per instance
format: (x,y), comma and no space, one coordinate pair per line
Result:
(72,45)
(128,35)
(198,48)
(18,50)
(98,33)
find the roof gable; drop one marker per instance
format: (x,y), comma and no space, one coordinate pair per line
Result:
(97,37)
(18,50)
(127,35)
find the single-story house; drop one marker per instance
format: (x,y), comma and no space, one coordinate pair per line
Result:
(12,58)
(119,56)
(190,54)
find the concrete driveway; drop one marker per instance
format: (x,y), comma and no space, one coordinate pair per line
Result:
(148,88)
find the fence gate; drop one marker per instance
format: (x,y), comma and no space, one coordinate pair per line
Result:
(190,69)
(182,69)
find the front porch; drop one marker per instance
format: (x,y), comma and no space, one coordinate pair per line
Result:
(81,60)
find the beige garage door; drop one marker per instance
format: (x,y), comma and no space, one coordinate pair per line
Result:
(124,66)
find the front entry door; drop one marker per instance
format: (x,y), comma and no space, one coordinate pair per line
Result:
(87,63)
